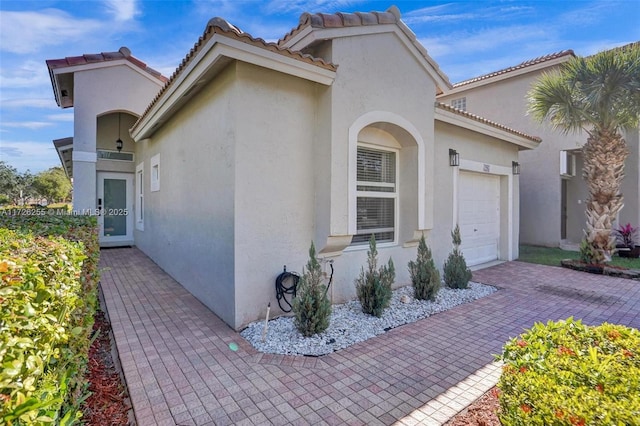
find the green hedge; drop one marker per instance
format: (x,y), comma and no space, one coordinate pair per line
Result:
(567,373)
(48,282)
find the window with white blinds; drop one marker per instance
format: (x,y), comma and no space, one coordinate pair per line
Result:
(376,195)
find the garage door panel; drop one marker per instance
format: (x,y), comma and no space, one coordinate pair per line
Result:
(479,216)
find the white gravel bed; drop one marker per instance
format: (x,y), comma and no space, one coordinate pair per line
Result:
(349,325)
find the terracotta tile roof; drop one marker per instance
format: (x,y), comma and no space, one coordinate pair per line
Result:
(522,65)
(337,20)
(625,47)
(222,27)
(363,19)
(122,53)
(486,121)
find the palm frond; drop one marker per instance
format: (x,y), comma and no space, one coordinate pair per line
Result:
(599,92)
(554,98)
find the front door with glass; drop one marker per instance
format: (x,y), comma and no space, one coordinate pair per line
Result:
(115,209)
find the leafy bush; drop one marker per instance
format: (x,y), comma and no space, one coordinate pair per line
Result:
(425,277)
(627,235)
(567,373)
(47,298)
(311,306)
(456,273)
(374,285)
(587,253)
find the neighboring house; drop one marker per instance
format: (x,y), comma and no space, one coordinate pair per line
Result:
(252,150)
(552,190)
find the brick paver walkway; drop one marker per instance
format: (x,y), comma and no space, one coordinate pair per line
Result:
(180,370)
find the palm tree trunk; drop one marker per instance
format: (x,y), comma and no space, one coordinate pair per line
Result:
(604,157)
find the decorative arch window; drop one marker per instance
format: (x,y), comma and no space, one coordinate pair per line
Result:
(387,180)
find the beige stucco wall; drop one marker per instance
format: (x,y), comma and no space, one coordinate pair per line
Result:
(189,224)
(505,101)
(576,197)
(275,173)
(482,149)
(367,81)
(96,92)
(631,184)
(256,166)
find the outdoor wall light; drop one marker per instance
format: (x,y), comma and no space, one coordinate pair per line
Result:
(454,158)
(515,167)
(119,141)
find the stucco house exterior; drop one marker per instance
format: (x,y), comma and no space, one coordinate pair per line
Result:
(252,150)
(552,190)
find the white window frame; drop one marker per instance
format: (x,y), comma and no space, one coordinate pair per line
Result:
(139,188)
(155,173)
(379,194)
(567,163)
(459,103)
(100,152)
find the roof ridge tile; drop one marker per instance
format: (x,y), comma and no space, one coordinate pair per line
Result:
(525,64)
(94,58)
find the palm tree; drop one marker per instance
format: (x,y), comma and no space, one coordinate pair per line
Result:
(599,94)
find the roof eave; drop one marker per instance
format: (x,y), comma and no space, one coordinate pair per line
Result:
(63,146)
(218,48)
(523,142)
(506,75)
(61,101)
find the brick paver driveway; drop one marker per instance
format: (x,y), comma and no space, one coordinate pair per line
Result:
(180,371)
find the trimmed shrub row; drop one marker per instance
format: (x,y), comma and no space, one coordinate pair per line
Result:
(567,373)
(48,297)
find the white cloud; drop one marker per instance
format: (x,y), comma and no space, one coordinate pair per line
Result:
(457,13)
(60,117)
(438,18)
(29,155)
(312,6)
(461,43)
(122,10)
(31,31)
(33,125)
(47,103)
(440,13)
(26,75)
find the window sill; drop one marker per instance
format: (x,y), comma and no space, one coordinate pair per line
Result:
(361,247)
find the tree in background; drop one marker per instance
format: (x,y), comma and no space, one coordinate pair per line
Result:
(53,185)
(8,181)
(599,94)
(14,186)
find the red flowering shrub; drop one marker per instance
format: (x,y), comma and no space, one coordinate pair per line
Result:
(567,373)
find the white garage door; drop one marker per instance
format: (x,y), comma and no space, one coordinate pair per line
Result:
(479,216)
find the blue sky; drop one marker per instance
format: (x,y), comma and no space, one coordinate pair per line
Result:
(466,38)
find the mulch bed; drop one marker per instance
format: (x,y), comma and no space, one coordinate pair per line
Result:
(482,412)
(108,403)
(613,271)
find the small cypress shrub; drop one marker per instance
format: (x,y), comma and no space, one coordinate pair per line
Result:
(311,306)
(425,277)
(374,285)
(456,273)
